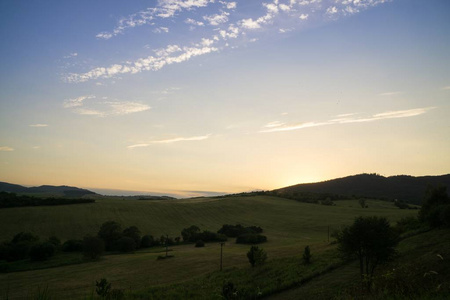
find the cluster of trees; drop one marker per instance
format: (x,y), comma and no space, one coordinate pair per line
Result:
(27,245)
(110,237)
(401,204)
(372,241)
(244,235)
(238,229)
(435,210)
(193,234)
(12,200)
(130,238)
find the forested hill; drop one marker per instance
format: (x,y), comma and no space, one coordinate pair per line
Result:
(48,190)
(402,187)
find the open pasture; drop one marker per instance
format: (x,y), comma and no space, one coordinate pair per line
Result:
(289,226)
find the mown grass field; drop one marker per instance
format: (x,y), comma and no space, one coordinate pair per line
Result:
(289,226)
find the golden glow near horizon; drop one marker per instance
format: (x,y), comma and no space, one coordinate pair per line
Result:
(212,96)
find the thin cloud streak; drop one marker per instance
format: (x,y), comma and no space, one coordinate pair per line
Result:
(390,94)
(6,149)
(150,63)
(277,126)
(170,141)
(38,125)
(108,108)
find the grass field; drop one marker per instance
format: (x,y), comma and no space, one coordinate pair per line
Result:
(289,226)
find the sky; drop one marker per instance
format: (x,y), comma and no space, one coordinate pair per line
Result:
(190,97)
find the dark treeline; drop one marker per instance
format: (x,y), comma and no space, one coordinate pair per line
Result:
(8,200)
(112,237)
(404,188)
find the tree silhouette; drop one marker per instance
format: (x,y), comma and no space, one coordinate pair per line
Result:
(371,240)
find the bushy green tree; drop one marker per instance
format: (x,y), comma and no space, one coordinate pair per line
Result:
(133,233)
(434,206)
(190,234)
(93,247)
(199,244)
(42,251)
(251,238)
(147,241)
(256,256)
(371,240)
(126,244)
(110,232)
(72,246)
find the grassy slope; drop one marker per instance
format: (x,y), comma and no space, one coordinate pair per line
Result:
(418,255)
(289,225)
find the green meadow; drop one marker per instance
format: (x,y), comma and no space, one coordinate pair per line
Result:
(289,226)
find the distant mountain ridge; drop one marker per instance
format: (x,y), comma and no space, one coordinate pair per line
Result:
(401,187)
(61,191)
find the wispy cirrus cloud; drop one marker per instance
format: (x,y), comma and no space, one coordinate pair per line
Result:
(170,141)
(6,148)
(171,55)
(38,125)
(71,55)
(76,102)
(104,107)
(391,93)
(228,23)
(164,9)
(345,119)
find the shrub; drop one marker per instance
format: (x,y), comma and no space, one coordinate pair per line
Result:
(102,287)
(400,204)
(229,291)
(327,202)
(134,233)
(93,247)
(362,202)
(147,241)
(307,256)
(42,251)
(5,248)
(256,256)
(126,244)
(251,239)
(407,224)
(55,241)
(200,243)
(116,294)
(25,237)
(72,246)
(445,216)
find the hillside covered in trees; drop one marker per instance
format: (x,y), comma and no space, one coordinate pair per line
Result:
(402,187)
(60,191)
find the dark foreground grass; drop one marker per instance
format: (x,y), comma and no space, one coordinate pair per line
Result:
(249,283)
(421,271)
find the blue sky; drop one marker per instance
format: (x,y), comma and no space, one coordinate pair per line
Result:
(177,96)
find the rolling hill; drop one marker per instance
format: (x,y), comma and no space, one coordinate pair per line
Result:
(47,190)
(402,187)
